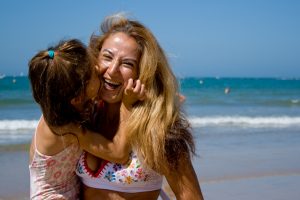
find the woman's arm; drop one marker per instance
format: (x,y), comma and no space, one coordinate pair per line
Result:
(184,181)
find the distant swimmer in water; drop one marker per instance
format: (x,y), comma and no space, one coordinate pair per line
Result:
(227,90)
(181,97)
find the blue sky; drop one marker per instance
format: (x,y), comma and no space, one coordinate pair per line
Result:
(232,38)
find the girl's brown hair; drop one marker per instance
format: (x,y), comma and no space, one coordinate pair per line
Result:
(56,80)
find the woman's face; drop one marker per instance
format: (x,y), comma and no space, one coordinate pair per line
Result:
(119,57)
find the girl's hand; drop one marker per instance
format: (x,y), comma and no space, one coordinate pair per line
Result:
(134,91)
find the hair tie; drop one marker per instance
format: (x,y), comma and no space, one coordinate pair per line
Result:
(51,54)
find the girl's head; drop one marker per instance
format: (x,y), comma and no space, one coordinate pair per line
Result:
(64,81)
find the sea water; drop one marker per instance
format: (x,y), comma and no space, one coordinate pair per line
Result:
(214,106)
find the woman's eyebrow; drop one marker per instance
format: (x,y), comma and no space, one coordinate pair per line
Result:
(130,60)
(108,51)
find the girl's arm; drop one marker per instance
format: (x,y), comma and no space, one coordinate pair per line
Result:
(115,150)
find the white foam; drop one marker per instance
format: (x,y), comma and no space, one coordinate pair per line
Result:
(295,101)
(17,124)
(245,121)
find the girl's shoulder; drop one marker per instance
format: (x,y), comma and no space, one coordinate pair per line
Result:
(50,143)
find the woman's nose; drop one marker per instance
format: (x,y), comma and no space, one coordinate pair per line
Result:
(113,67)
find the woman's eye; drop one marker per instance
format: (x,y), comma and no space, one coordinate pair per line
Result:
(128,64)
(107,57)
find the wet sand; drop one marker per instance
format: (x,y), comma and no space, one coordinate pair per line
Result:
(260,173)
(14,173)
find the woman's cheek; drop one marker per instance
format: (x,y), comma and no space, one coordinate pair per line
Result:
(104,64)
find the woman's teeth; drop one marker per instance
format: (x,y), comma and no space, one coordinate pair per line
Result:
(111,84)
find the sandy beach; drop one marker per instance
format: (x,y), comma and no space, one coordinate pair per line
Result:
(228,168)
(14,184)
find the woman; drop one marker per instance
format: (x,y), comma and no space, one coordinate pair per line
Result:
(159,133)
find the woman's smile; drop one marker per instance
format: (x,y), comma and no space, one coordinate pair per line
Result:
(111,85)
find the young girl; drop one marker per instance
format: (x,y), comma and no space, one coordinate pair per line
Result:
(65,83)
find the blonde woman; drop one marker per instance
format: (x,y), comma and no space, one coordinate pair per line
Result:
(160,135)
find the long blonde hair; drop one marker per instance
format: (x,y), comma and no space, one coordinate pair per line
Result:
(158,128)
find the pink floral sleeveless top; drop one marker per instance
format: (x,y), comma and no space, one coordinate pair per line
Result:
(54,177)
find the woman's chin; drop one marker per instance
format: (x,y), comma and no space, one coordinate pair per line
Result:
(112,97)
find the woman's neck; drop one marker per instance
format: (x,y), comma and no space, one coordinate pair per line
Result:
(111,120)
(112,111)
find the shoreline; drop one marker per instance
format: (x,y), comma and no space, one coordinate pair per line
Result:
(14,147)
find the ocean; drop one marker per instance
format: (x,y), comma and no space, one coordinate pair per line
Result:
(218,104)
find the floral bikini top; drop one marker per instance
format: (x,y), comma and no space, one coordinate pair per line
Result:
(128,178)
